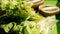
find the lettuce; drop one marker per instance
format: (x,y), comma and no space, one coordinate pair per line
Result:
(7,27)
(31,27)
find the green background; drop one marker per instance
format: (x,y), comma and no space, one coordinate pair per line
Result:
(56,28)
(53,2)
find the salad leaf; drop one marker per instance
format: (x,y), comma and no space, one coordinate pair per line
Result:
(7,27)
(31,27)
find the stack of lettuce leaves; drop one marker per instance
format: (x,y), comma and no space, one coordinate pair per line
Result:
(18,18)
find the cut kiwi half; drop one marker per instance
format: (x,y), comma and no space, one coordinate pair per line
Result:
(36,3)
(48,10)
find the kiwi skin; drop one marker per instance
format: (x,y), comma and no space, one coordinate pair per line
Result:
(37,4)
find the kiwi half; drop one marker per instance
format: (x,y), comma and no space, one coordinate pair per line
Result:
(36,3)
(48,10)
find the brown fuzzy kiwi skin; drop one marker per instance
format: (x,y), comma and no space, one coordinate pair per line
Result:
(48,14)
(35,5)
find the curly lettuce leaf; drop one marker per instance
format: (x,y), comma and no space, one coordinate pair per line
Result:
(7,27)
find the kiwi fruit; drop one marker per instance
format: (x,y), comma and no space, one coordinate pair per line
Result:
(48,10)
